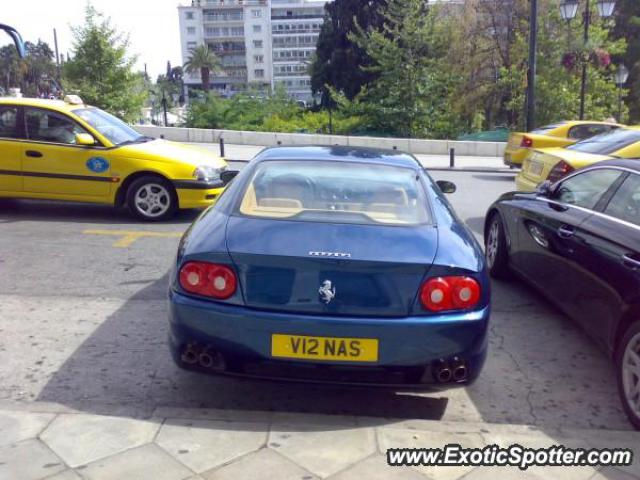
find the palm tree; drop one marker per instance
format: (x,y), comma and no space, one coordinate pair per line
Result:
(204,61)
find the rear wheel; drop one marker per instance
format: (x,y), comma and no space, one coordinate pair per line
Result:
(152,198)
(628,373)
(496,248)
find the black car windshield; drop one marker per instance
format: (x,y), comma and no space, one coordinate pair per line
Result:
(340,192)
(607,143)
(114,129)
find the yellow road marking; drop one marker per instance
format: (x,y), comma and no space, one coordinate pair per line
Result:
(129,237)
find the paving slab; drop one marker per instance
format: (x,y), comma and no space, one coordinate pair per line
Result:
(80,439)
(205,444)
(66,475)
(611,473)
(148,461)
(16,426)
(264,463)
(376,468)
(322,451)
(400,438)
(28,460)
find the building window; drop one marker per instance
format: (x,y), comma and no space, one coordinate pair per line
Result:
(259,73)
(258,58)
(191,30)
(257,28)
(189,15)
(191,45)
(256,13)
(257,43)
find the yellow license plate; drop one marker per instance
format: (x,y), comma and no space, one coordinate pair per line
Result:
(324,348)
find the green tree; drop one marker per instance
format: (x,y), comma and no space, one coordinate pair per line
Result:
(338,58)
(627,26)
(203,61)
(34,75)
(410,95)
(100,70)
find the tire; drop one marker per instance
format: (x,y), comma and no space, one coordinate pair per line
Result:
(628,373)
(152,198)
(495,246)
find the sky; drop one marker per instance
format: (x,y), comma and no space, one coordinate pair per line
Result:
(152,25)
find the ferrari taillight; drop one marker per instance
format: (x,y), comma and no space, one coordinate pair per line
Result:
(450,293)
(561,169)
(208,279)
(527,142)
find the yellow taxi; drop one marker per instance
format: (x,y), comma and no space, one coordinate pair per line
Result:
(561,134)
(554,163)
(66,150)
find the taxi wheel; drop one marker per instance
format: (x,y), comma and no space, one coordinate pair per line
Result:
(628,373)
(495,246)
(152,198)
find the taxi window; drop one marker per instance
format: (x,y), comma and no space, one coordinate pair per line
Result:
(607,143)
(580,132)
(337,192)
(48,126)
(8,121)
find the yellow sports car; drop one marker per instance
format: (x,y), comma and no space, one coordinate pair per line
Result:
(560,134)
(554,163)
(65,150)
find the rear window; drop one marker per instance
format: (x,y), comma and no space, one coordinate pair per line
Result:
(547,128)
(339,192)
(607,143)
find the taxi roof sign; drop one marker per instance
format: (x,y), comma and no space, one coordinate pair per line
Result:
(73,100)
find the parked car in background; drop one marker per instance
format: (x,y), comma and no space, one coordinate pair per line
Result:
(561,134)
(578,242)
(554,163)
(332,264)
(66,150)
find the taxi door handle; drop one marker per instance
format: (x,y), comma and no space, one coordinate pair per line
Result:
(630,262)
(33,153)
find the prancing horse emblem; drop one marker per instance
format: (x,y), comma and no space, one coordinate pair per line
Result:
(327,293)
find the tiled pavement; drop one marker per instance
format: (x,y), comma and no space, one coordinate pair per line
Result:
(174,444)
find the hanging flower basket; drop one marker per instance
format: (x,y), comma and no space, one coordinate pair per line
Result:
(598,57)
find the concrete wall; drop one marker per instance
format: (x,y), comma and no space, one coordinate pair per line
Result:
(236,137)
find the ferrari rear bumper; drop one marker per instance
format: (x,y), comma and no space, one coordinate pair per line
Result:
(437,351)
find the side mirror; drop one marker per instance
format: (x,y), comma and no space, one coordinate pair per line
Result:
(17,39)
(544,189)
(85,139)
(228,175)
(446,186)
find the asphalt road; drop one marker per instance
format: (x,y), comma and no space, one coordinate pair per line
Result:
(83,324)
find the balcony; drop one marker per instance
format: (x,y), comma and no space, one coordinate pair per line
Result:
(228,3)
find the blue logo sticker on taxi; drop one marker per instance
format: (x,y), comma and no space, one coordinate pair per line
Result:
(98,164)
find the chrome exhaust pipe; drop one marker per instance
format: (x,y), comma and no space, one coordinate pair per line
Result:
(443,372)
(460,373)
(190,355)
(205,360)
(211,359)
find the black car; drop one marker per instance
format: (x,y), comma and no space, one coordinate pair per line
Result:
(578,242)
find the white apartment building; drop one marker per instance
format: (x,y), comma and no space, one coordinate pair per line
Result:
(262,43)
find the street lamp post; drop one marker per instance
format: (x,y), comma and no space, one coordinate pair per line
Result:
(568,11)
(531,72)
(621,78)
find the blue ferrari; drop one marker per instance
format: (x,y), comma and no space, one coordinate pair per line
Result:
(332,264)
